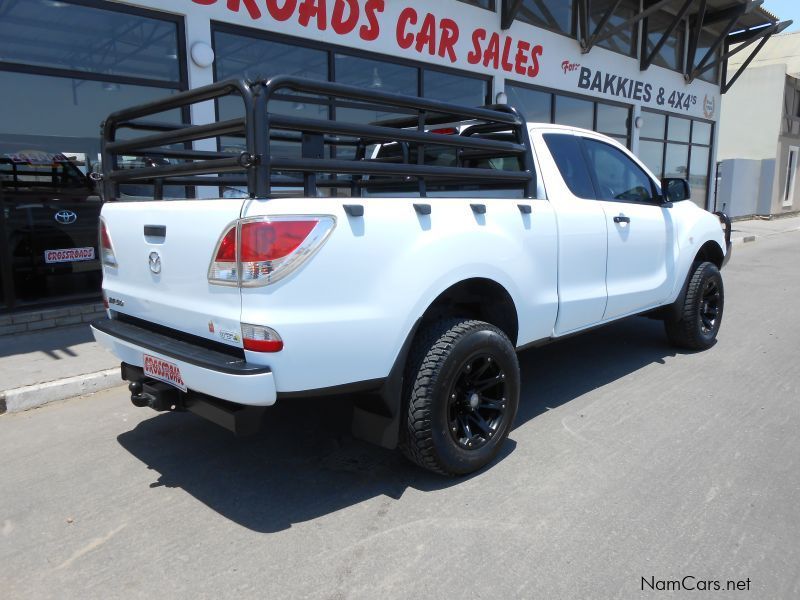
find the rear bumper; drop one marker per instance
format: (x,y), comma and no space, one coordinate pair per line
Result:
(202,369)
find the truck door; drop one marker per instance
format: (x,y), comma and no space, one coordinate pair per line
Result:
(582,235)
(640,232)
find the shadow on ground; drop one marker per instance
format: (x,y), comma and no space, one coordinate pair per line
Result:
(53,342)
(305,464)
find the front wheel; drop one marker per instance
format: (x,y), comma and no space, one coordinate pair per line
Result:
(700,316)
(463,392)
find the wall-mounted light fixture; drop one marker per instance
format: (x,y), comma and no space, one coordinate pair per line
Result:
(202,54)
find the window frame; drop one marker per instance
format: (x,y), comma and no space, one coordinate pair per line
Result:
(595,101)
(573,22)
(664,141)
(9,297)
(334,49)
(178,20)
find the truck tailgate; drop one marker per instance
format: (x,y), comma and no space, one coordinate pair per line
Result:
(163,250)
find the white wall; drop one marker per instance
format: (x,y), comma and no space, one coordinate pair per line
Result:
(750,118)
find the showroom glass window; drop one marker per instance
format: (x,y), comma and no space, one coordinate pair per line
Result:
(704,44)
(674,146)
(555,15)
(64,66)
(670,55)
(257,54)
(623,41)
(539,106)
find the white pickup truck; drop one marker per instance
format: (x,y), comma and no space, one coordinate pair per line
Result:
(402,261)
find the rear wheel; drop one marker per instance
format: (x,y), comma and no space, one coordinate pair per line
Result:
(700,316)
(463,391)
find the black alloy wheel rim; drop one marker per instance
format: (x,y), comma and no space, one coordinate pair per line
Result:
(710,303)
(477,402)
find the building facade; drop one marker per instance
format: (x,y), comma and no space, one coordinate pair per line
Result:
(648,73)
(759,142)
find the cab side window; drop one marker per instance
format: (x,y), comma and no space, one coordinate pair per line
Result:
(617,177)
(568,155)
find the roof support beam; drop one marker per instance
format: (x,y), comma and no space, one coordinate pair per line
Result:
(588,40)
(508,13)
(599,37)
(647,59)
(696,27)
(763,33)
(723,15)
(733,15)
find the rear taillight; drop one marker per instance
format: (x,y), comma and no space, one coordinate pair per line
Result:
(258,338)
(107,255)
(261,251)
(224,268)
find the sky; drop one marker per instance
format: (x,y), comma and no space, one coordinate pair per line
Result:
(785,10)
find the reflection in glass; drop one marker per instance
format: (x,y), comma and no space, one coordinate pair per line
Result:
(623,41)
(612,120)
(556,15)
(575,112)
(654,125)
(376,74)
(677,161)
(535,106)
(704,44)
(678,129)
(652,155)
(671,53)
(253,58)
(698,175)
(701,133)
(617,176)
(455,88)
(567,154)
(80,38)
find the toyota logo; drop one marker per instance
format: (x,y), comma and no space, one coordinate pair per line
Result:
(155,263)
(66,217)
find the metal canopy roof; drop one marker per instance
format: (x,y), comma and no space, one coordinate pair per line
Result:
(734,24)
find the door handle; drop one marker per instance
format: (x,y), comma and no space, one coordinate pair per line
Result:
(622,219)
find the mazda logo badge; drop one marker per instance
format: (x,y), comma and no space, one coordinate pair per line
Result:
(155,263)
(66,217)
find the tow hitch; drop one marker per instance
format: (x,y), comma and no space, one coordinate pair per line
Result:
(162,397)
(158,396)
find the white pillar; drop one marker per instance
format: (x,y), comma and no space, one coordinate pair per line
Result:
(637,113)
(198,31)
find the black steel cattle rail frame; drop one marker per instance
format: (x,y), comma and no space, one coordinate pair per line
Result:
(259,169)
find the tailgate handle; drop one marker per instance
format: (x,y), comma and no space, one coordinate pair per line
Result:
(155,231)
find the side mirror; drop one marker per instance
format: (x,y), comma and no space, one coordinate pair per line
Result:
(675,189)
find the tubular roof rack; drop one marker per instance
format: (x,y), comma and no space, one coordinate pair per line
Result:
(166,156)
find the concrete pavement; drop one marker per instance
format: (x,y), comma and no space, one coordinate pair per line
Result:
(751,230)
(628,461)
(37,368)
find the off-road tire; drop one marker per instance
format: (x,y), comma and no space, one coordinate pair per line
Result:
(688,326)
(436,367)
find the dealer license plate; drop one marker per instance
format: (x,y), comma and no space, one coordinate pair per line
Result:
(163,370)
